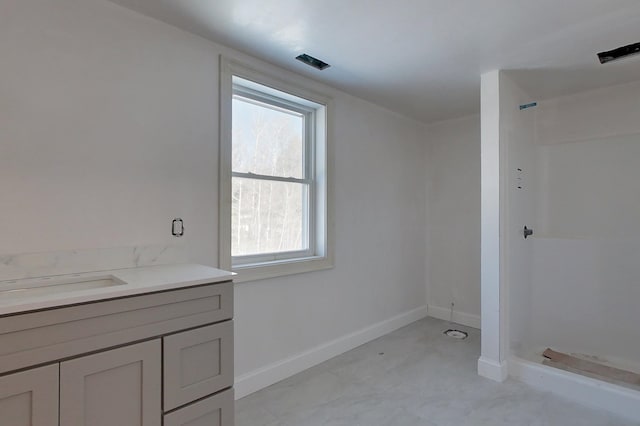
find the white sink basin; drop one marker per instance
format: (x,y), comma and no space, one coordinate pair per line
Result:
(51,286)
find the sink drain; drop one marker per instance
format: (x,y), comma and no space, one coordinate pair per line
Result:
(456,334)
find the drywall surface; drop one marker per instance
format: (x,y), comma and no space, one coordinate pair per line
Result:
(586,268)
(109,129)
(517,133)
(585,296)
(508,154)
(600,113)
(589,149)
(453,203)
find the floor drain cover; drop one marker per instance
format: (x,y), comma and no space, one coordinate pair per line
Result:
(456,334)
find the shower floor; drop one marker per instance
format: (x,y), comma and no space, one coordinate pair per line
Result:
(632,367)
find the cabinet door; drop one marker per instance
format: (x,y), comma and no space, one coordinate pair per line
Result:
(217,410)
(197,363)
(118,387)
(30,398)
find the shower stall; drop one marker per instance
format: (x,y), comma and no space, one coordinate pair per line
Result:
(568,168)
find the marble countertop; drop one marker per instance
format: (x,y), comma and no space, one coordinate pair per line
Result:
(62,290)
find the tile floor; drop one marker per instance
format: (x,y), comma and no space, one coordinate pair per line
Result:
(413,376)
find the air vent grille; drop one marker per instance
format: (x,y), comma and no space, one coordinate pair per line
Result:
(619,53)
(313,62)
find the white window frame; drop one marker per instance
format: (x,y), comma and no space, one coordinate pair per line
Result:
(308,178)
(263,87)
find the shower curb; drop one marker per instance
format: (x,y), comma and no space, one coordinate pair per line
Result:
(592,392)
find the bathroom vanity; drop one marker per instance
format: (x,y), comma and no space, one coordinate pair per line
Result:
(135,347)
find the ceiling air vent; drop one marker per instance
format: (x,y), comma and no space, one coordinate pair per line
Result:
(313,62)
(619,53)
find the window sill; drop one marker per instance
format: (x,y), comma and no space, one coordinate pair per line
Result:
(262,271)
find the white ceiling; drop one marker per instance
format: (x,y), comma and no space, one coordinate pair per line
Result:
(422,58)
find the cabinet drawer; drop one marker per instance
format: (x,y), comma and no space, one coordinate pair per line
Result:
(217,410)
(197,363)
(46,336)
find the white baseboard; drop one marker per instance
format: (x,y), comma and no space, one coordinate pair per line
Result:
(273,373)
(463,318)
(585,390)
(493,370)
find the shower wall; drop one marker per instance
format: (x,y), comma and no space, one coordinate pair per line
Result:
(585,265)
(517,134)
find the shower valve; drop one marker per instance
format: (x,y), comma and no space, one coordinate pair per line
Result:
(527,232)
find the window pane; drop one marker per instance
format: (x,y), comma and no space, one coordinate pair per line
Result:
(267,141)
(268,217)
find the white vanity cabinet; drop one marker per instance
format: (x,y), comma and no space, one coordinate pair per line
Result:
(162,358)
(117,387)
(30,398)
(217,410)
(197,363)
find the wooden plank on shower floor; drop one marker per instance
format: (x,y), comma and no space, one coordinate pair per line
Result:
(577,365)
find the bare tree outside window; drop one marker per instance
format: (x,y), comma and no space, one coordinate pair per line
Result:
(268,209)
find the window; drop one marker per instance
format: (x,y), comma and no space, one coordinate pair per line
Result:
(274,217)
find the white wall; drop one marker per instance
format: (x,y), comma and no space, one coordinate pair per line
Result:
(508,186)
(586,267)
(109,129)
(520,178)
(453,203)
